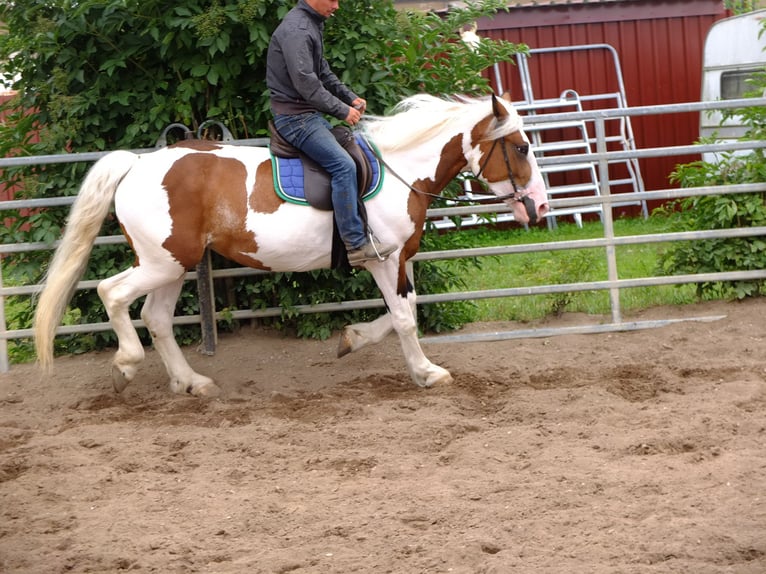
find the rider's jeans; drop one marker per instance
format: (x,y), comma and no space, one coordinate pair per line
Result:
(311,134)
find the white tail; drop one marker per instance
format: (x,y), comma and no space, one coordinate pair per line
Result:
(71,257)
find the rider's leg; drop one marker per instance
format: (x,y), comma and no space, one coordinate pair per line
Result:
(311,134)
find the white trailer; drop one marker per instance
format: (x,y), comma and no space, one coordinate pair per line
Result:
(735,49)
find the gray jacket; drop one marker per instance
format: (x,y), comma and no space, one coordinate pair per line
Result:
(297,75)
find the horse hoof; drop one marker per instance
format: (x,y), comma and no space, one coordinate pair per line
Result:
(344,344)
(199,386)
(207,391)
(438,377)
(445,379)
(120,379)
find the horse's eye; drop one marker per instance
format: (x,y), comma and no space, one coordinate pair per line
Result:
(522,149)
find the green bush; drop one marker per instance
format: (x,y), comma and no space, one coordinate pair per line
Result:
(723,212)
(97,75)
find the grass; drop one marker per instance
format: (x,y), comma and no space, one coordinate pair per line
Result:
(567,266)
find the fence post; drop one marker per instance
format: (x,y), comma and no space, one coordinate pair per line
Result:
(4,362)
(608,219)
(206,305)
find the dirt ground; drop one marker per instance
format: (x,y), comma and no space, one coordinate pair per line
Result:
(638,452)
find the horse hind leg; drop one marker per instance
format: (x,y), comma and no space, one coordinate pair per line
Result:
(117,293)
(157,314)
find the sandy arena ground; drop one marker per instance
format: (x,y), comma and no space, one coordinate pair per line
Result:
(640,452)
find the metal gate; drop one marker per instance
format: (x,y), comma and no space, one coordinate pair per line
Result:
(208,317)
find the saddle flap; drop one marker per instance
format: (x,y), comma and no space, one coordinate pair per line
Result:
(279,146)
(345,137)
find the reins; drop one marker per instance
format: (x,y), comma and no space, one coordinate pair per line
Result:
(514,196)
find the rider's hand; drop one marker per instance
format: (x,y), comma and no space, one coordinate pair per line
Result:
(360,104)
(353,116)
(355,112)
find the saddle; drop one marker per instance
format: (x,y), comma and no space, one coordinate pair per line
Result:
(299,179)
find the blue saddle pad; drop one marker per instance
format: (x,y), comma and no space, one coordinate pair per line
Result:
(288,174)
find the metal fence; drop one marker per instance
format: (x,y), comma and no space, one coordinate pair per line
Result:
(204,274)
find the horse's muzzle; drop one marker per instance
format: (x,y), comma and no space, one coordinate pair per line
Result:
(529,205)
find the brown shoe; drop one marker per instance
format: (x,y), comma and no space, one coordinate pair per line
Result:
(370,251)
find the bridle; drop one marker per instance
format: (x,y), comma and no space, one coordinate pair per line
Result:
(517,195)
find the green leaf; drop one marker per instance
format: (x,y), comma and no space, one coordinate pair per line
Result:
(112,74)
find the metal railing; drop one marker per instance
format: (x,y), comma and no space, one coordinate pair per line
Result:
(204,275)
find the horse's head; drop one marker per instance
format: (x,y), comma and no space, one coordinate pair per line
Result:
(503,160)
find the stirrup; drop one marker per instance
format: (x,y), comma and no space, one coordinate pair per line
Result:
(373,242)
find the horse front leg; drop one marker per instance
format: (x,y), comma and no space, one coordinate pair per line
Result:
(359,335)
(403,319)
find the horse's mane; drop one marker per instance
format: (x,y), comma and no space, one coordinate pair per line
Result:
(423,116)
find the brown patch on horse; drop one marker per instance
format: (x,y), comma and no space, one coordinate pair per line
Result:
(495,168)
(479,132)
(129,239)
(417,203)
(264,199)
(197,145)
(451,162)
(208,206)
(522,171)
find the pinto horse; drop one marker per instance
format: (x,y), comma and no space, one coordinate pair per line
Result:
(174,203)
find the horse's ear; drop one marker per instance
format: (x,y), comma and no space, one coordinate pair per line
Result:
(507,96)
(497,108)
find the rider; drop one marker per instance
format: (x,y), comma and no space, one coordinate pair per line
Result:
(302,88)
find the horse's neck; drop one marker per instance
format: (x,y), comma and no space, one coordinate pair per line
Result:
(432,164)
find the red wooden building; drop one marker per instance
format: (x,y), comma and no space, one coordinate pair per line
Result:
(658,44)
